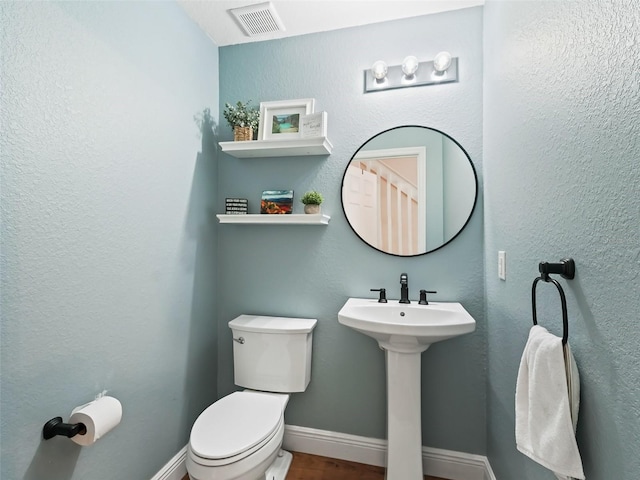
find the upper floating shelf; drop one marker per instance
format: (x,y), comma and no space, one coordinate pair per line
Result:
(263,219)
(278,148)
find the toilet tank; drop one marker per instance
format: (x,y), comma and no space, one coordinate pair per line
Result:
(272,354)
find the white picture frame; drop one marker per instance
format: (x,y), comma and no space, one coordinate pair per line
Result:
(313,125)
(283,113)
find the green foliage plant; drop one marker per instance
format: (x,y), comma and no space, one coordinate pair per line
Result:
(241,115)
(312,198)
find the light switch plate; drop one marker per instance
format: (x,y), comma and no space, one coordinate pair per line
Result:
(502,265)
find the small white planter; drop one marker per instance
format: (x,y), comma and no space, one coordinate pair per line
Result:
(312,209)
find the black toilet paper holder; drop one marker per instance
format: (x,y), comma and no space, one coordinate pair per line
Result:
(56,426)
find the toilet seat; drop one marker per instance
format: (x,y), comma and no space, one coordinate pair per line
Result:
(234,427)
(274,441)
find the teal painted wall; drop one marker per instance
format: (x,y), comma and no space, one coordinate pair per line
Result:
(108,241)
(561,150)
(311,271)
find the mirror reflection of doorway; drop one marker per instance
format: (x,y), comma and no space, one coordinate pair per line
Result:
(360,202)
(386,198)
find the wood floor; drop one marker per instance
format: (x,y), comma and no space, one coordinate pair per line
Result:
(313,467)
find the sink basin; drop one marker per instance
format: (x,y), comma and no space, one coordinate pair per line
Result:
(404,331)
(406,327)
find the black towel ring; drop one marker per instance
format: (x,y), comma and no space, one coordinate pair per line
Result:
(566,268)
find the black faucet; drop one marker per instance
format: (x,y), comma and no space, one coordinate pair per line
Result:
(383,294)
(423,296)
(404,288)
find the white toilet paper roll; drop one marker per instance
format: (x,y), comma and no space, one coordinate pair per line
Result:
(99,417)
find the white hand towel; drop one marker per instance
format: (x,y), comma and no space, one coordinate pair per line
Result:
(573,385)
(544,428)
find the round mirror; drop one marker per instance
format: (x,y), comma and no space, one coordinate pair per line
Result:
(409,190)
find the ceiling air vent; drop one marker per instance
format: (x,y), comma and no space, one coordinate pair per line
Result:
(258,19)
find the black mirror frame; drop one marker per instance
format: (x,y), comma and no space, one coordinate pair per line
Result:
(475,200)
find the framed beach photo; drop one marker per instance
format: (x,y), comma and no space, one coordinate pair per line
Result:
(281,119)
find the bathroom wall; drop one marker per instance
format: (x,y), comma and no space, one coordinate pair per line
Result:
(310,271)
(108,240)
(561,130)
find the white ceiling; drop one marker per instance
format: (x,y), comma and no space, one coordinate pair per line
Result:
(308,16)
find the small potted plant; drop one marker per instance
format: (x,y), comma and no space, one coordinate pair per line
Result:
(242,119)
(312,201)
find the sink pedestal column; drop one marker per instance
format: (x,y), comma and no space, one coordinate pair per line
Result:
(404,331)
(404,425)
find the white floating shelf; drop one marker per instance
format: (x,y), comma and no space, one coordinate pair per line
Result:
(286,219)
(278,148)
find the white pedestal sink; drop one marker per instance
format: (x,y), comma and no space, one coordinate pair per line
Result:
(404,331)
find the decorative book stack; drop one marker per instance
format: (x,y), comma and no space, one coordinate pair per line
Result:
(236,206)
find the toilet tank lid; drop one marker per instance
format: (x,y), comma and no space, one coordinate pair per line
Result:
(265,324)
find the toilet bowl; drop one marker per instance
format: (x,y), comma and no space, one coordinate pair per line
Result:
(239,436)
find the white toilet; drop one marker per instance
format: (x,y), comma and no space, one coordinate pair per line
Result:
(240,435)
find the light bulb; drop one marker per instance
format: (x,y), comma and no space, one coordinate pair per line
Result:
(379,70)
(441,62)
(410,66)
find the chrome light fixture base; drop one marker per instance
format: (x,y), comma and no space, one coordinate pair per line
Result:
(425,75)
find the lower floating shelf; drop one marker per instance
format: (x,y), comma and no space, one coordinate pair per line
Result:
(264,219)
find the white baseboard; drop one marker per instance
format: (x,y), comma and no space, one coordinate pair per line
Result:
(488,473)
(370,451)
(175,469)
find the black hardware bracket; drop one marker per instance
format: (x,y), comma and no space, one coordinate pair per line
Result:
(567,269)
(56,426)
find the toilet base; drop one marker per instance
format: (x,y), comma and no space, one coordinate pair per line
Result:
(280,466)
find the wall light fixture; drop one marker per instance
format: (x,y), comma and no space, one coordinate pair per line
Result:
(412,73)
(379,71)
(410,67)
